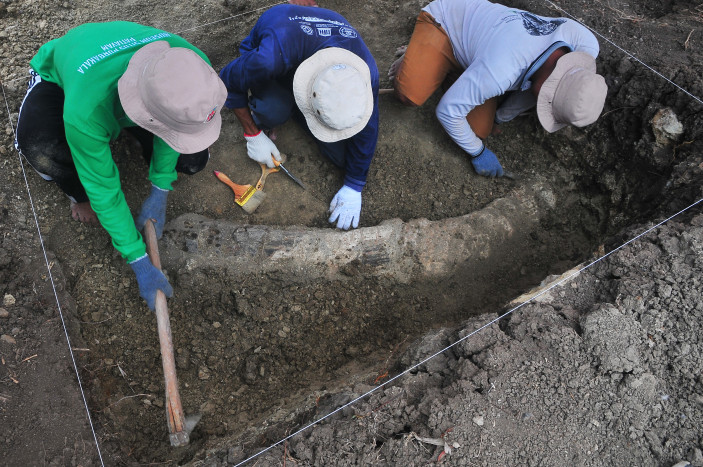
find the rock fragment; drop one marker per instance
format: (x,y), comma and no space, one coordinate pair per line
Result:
(8,339)
(666,127)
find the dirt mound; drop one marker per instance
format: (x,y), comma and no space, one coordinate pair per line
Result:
(604,372)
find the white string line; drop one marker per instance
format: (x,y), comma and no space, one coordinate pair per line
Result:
(194,28)
(531,299)
(696,98)
(230,17)
(53,285)
(556,284)
(512,310)
(46,260)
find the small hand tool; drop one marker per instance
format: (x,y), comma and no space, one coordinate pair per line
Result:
(247,196)
(179,426)
(264,173)
(280,165)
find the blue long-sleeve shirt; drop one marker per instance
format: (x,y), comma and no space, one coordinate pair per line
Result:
(284,37)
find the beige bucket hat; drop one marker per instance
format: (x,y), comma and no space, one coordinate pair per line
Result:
(173,93)
(573,94)
(333,91)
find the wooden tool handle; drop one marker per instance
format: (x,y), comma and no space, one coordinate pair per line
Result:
(239,190)
(175,419)
(265,171)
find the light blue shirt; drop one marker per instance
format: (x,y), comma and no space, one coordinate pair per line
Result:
(497,46)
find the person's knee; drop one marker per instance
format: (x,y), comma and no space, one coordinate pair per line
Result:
(270,114)
(400,95)
(271,106)
(404,99)
(335,152)
(191,164)
(40,133)
(45,157)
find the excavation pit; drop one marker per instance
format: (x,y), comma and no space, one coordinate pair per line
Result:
(274,310)
(274,307)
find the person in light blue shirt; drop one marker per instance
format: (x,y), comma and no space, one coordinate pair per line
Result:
(494,63)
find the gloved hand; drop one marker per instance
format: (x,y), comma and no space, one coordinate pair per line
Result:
(346,208)
(150,279)
(261,148)
(486,163)
(154,207)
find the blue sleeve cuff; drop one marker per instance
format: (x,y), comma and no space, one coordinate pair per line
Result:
(236,101)
(353,183)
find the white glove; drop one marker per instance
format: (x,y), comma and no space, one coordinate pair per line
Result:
(346,208)
(261,148)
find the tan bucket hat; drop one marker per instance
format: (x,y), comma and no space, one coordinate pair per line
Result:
(573,94)
(173,93)
(333,91)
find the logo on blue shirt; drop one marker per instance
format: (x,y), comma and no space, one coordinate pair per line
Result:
(537,26)
(348,32)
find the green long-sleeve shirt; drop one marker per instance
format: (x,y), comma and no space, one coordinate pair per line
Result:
(87,63)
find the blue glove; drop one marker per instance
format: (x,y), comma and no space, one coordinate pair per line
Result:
(150,279)
(154,207)
(486,163)
(346,208)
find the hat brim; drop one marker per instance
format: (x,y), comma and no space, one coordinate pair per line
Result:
(545,111)
(133,105)
(304,79)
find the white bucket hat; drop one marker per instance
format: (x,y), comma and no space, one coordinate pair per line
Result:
(573,94)
(333,91)
(173,93)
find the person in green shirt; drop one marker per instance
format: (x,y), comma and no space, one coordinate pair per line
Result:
(100,78)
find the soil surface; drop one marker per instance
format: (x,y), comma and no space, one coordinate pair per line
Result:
(278,319)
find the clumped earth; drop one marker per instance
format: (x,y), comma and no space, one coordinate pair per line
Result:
(602,370)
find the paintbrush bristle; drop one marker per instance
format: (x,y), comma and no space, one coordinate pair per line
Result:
(254,201)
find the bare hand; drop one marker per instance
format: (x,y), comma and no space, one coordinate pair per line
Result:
(82,212)
(303,2)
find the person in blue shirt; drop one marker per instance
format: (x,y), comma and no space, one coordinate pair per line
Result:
(310,64)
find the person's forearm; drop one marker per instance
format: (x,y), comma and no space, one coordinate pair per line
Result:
(359,152)
(102,185)
(248,125)
(460,131)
